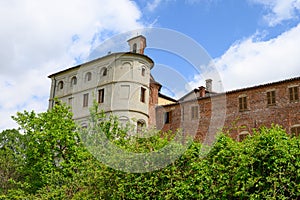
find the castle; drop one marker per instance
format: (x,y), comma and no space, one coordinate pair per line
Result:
(122,85)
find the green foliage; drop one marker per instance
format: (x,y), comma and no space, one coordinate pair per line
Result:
(50,161)
(12,144)
(53,149)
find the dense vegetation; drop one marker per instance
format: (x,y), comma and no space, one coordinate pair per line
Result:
(49,161)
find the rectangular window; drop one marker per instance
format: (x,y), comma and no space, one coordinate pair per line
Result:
(194,112)
(294,95)
(85,100)
(167,117)
(271,98)
(143,94)
(101,96)
(242,103)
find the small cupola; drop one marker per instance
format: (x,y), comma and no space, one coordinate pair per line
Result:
(137,44)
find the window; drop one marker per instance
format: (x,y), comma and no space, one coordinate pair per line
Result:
(294,95)
(85,100)
(88,77)
(143,94)
(84,126)
(295,130)
(271,98)
(101,96)
(104,71)
(60,85)
(243,135)
(143,71)
(168,117)
(140,125)
(73,81)
(194,112)
(243,103)
(124,121)
(134,47)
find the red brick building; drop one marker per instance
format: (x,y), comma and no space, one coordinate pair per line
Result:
(202,112)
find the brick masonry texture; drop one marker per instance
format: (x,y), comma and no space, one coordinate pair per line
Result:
(227,115)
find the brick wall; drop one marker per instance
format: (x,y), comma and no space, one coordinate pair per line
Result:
(222,111)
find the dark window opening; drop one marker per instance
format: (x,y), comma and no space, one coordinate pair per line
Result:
(140,125)
(168,117)
(101,96)
(243,135)
(104,72)
(73,81)
(143,95)
(60,85)
(134,48)
(88,76)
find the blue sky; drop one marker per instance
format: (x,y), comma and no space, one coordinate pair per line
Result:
(249,41)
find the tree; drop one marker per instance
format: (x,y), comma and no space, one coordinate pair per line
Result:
(12,145)
(53,150)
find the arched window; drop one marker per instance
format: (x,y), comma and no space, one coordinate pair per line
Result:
(140,125)
(104,71)
(88,76)
(295,130)
(143,71)
(73,81)
(60,85)
(123,120)
(134,47)
(242,135)
(84,125)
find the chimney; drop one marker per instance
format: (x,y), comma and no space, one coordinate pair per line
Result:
(208,85)
(202,91)
(137,44)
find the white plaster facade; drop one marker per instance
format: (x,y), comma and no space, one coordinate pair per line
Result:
(119,82)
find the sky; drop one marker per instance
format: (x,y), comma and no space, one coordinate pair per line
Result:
(250,42)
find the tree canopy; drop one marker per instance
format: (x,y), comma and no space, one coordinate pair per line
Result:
(50,160)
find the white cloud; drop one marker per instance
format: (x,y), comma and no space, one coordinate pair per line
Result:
(251,62)
(279,10)
(151,6)
(40,37)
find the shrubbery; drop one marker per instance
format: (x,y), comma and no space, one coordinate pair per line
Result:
(49,161)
